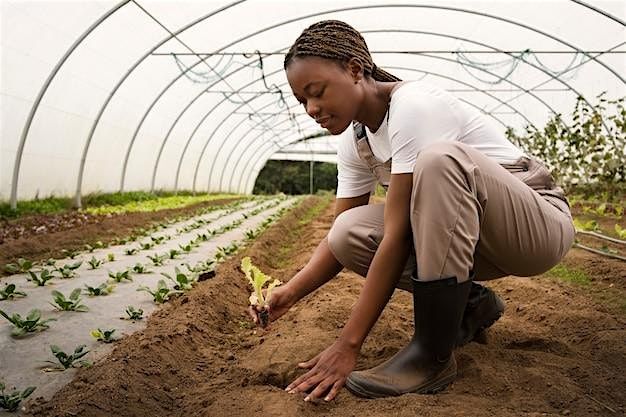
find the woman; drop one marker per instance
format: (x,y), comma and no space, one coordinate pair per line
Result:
(462,204)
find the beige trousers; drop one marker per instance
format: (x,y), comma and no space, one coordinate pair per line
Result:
(468,213)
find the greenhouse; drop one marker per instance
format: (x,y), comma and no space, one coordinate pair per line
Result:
(313,208)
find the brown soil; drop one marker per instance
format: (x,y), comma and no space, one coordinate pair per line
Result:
(556,351)
(39,237)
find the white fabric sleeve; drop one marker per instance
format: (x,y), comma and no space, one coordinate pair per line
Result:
(417,120)
(353,176)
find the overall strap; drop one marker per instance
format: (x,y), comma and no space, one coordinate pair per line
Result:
(381,170)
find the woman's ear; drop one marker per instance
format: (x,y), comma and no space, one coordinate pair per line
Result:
(355,68)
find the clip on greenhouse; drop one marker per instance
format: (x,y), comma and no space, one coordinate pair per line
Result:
(313,208)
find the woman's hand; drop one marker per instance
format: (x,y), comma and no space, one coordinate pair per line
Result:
(329,371)
(281,300)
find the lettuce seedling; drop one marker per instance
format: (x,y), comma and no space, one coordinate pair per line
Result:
(89,248)
(110,257)
(140,268)
(134,314)
(146,246)
(158,260)
(173,253)
(258,280)
(620,232)
(131,251)
(94,263)
(157,239)
(202,237)
(120,276)
(44,276)
(69,361)
(250,234)
(186,248)
(105,336)
(161,293)
(22,266)
(10,293)
(30,324)
(70,253)
(103,289)
(72,303)
(11,402)
(182,281)
(68,270)
(51,262)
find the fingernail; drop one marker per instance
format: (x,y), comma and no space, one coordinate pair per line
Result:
(307,399)
(327,399)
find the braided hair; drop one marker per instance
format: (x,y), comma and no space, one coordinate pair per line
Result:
(336,40)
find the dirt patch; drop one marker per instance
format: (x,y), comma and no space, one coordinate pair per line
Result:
(40,237)
(556,351)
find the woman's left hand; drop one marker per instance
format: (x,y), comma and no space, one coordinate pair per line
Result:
(328,372)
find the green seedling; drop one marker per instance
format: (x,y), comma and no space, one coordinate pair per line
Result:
(11,402)
(591,225)
(110,257)
(69,361)
(120,276)
(99,245)
(103,289)
(9,292)
(146,246)
(158,260)
(173,253)
(134,314)
(30,324)
(44,276)
(202,237)
(51,262)
(21,266)
(620,232)
(140,268)
(158,239)
(182,281)
(205,266)
(161,293)
(72,303)
(186,248)
(70,253)
(258,280)
(68,270)
(89,248)
(250,234)
(105,336)
(94,263)
(131,251)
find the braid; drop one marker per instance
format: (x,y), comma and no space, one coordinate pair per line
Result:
(333,39)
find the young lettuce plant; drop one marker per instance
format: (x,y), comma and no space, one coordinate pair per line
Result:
(158,260)
(140,268)
(94,263)
(146,246)
(131,251)
(70,253)
(103,289)
(173,253)
(110,257)
(133,313)
(182,281)
(22,266)
(68,361)
(68,270)
(31,323)
(161,293)
(9,292)
(105,336)
(44,276)
(620,232)
(120,276)
(11,402)
(258,280)
(72,303)
(186,248)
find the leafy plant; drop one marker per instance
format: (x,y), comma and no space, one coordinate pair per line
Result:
(9,292)
(134,314)
(258,280)
(173,253)
(44,276)
(140,268)
(186,248)
(11,402)
(94,263)
(158,260)
(70,253)
(146,246)
(68,270)
(102,289)
(72,303)
(110,257)
(158,239)
(620,232)
(69,361)
(131,251)
(120,276)
(590,225)
(31,323)
(182,281)
(50,262)
(161,293)
(105,336)
(22,266)
(89,248)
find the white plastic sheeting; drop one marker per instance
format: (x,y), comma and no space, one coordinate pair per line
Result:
(123,113)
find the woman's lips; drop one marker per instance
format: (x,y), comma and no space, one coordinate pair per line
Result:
(324,121)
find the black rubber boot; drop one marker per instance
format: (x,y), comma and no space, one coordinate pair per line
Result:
(483,309)
(426,365)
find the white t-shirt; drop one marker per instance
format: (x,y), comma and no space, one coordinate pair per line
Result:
(420,114)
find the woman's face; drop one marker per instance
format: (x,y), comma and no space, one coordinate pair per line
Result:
(327,90)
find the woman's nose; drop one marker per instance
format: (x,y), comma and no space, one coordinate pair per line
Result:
(312,109)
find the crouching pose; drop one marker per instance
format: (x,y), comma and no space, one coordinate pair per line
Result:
(463,204)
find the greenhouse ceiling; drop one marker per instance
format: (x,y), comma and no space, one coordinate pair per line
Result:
(144,95)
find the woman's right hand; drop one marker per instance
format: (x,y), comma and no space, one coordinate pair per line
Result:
(281,300)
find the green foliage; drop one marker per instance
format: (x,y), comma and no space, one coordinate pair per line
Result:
(589,226)
(140,268)
(120,276)
(22,266)
(72,303)
(574,276)
(134,314)
(131,251)
(11,402)
(68,270)
(70,253)
(173,253)
(258,280)
(105,336)
(161,293)
(620,232)
(44,276)
(31,323)
(181,280)
(292,177)
(158,260)
(103,289)
(584,152)
(110,257)
(94,263)
(69,361)
(146,246)
(9,292)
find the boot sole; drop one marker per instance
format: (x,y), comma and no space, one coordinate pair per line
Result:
(500,306)
(432,388)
